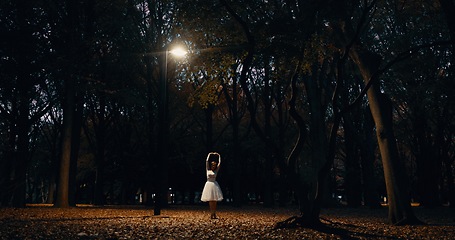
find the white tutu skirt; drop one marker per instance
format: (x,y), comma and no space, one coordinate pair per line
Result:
(211,192)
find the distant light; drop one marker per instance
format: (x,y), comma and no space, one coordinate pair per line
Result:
(178,51)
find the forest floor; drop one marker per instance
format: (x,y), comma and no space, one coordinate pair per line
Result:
(193,222)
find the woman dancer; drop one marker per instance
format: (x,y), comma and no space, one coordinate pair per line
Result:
(212,191)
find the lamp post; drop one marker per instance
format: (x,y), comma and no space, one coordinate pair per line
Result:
(161,172)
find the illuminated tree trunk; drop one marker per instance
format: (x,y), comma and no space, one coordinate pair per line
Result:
(400,211)
(62,198)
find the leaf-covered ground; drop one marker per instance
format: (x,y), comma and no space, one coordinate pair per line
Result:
(193,222)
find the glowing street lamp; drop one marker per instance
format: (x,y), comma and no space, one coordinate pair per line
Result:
(178,51)
(163,132)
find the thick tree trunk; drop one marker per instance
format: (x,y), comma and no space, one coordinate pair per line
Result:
(316,182)
(400,211)
(305,190)
(62,198)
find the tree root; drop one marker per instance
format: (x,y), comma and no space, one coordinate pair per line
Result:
(298,221)
(412,221)
(317,224)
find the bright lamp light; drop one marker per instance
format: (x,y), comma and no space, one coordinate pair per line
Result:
(178,51)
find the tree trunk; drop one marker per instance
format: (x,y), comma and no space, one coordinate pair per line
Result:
(268,181)
(450,181)
(279,154)
(51,190)
(400,211)
(371,196)
(100,135)
(302,188)
(62,198)
(311,181)
(428,162)
(23,46)
(236,160)
(75,144)
(20,171)
(317,181)
(6,168)
(448,7)
(352,165)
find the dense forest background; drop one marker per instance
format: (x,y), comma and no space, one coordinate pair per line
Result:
(353,99)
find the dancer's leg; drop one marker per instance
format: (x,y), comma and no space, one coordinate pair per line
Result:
(212,205)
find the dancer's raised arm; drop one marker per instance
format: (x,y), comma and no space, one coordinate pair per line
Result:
(219,160)
(208,160)
(207,164)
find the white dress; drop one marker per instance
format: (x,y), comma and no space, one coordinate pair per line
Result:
(212,190)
